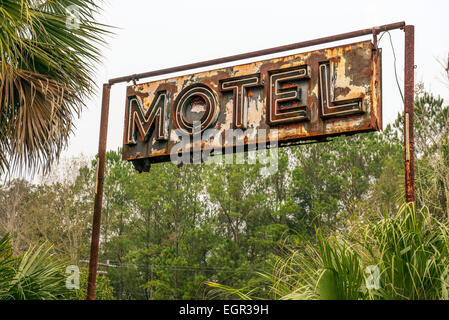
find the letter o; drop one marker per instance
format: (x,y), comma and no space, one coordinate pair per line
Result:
(198,94)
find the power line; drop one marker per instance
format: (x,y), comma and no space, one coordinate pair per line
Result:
(395,60)
(186,268)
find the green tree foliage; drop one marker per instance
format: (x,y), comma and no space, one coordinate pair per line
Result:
(432,147)
(331,179)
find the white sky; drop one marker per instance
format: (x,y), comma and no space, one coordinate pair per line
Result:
(160,34)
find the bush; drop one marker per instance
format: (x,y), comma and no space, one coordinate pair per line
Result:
(410,252)
(35,275)
(104,290)
(39,275)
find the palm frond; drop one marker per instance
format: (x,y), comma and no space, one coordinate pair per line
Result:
(220,290)
(39,275)
(47,69)
(6,266)
(40,125)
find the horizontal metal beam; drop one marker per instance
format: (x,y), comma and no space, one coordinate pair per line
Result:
(258,53)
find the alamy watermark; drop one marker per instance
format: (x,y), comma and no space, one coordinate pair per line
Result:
(372,281)
(73,279)
(73,18)
(198,147)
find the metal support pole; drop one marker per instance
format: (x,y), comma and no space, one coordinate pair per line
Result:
(409,103)
(93,263)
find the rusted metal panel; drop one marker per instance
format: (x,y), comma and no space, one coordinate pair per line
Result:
(307,96)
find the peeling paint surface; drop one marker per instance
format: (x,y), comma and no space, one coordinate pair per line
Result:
(307,96)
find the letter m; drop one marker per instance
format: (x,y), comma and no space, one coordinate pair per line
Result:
(155,119)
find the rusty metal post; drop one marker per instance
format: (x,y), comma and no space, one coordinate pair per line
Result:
(409,103)
(93,263)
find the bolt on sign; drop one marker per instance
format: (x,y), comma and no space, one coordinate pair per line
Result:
(307,96)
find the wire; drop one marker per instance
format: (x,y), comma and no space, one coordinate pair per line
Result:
(179,268)
(395,60)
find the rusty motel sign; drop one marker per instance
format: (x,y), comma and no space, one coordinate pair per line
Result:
(307,96)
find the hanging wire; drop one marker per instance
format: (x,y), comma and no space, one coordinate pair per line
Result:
(446,66)
(395,62)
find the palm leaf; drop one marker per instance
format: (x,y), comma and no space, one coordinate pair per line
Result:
(47,69)
(6,266)
(38,276)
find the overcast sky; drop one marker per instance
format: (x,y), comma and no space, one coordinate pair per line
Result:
(159,34)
